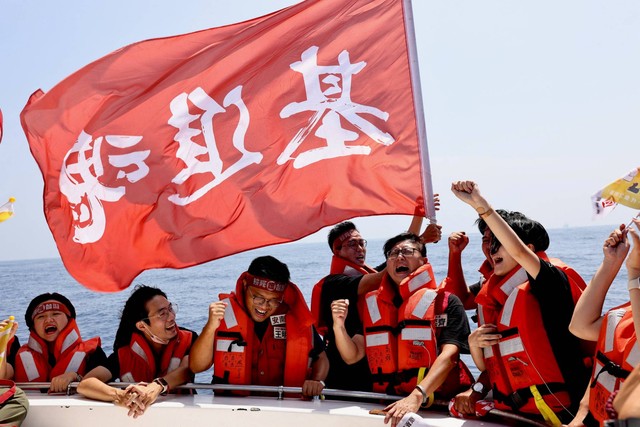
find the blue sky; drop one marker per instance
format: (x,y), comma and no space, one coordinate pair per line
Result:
(538,101)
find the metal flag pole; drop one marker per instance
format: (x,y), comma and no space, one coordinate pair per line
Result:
(427,188)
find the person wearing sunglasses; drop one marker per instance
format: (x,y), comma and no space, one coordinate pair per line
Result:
(150,350)
(262,334)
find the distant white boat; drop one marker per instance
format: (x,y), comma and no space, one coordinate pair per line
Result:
(208,410)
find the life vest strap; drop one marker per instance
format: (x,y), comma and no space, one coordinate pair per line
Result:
(397,378)
(547,413)
(10,392)
(610,367)
(239,340)
(398,329)
(520,397)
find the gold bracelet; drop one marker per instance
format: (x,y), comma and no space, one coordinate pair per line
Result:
(485,213)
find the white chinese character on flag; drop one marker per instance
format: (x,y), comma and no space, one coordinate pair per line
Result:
(190,151)
(80,182)
(328,110)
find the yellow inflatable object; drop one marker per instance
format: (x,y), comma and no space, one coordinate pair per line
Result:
(4,337)
(6,210)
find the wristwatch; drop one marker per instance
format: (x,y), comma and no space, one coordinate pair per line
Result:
(164,384)
(634,283)
(478,387)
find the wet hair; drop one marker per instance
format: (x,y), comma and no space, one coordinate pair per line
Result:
(134,310)
(389,244)
(531,232)
(271,268)
(338,230)
(46,297)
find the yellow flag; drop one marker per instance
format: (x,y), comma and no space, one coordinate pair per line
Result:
(625,191)
(6,210)
(4,337)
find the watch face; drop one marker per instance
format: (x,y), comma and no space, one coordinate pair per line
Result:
(477,387)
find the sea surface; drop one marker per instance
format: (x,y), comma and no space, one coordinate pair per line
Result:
(194,288)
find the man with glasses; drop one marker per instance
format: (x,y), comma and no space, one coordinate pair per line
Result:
(262,334)
(413,333)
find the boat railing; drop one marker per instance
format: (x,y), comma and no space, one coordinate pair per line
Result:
(279,391)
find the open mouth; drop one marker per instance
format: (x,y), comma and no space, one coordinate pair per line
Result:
(261,313)
(402,269)
(51,329)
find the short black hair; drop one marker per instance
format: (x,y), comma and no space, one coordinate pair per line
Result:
(531,232)
(389,244)
(338,230)
(45,297)
(270,268)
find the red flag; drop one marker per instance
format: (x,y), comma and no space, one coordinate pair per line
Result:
(176,151)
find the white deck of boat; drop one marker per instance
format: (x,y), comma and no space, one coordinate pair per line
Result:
(207,410)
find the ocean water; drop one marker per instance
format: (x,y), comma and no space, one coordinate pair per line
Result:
(195,287)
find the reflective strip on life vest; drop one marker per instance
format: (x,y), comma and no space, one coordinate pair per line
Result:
(139,351)
(71,338)
(372,306)
(76,361)
(29,364)
(518,278)
(381,338)
(420,310)
(507,310)
(605,379)
(418,281)
(413,334)
(34,344)
(229,316)
(634,355)
(174,364)
(511,346)
(613,318)
(228,346)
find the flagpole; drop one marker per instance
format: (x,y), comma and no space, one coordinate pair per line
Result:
(427,188)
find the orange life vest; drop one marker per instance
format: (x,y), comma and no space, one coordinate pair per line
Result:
(338,266)
(524,357)
(69,351)
(451,283)
(616,356)
(280,358)
(138,362)
(401,344)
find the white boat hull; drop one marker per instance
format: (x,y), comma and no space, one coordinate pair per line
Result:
(207,410)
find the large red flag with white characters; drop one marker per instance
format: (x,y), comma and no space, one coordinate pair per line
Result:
(176,151)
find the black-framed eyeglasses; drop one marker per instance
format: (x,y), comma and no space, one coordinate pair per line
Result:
(163,313)
(258,300)
(355,243)
(405,252)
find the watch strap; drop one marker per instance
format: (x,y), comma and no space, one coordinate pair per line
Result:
(164,384)
(423,392)
(634,283)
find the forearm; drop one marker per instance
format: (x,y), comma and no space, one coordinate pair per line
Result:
(587,316)
(444,363)
(320,367)
(95,389)
(455,281)
(6,370)
(179,376)
(370,282)
(201,354)
(416,225)
(477,354)
(634,297)
(351,349)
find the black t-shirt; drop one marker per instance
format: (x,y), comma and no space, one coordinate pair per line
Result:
(113,362)
(456,330)
(551,289)
(13,351)
(341,375)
